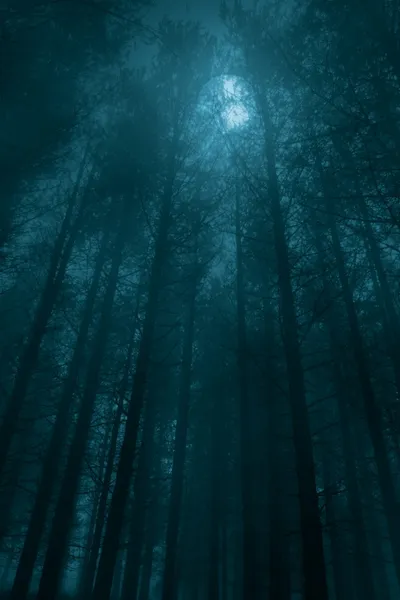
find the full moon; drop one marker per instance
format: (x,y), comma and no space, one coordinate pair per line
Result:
(235,113)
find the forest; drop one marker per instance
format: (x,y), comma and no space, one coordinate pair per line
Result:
(200,300)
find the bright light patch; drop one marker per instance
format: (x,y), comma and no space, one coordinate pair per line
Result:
(235,113)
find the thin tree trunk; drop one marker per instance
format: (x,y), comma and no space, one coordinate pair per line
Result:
(379,561)
(379,23)
(279,550)
(251,573)
(58,439)
(96,500)
(102,586)
(152,525)
(6,571)
(61,525)
(10,484)
(341,573)
(224,561)
(90,571)
(314,568)
(169,585)
(279,571)
(58,264)
(117,579)
(142,491)
(373,414)
(147,569)
(216,469)
(363,568)
(377,531)
(390,317)
(101,513)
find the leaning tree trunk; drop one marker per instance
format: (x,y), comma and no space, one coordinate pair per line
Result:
(58,439)
(61,525)
(60,256)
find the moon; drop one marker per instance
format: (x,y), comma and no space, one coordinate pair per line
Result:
(235,113)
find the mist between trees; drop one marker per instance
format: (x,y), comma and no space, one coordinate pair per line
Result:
(199,301)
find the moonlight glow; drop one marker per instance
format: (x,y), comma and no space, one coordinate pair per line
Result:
(235,113)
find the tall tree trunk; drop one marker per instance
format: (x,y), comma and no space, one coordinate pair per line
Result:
(372,412)
(117,579)
(58,439)
(58,265)
(90,571)
(379,560)
(363,569)
(61,525)
(224,561)
(388,37)
(152,526)
(390,317)
(314,568)
(10,481)
(95,503)
(147,567)
(251,571)
(169,584)
(142,491)
(216,469)
(374,518)
(5,574)
(279,570)
(341,573)
(279,550)
(89,576)
(102,586)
